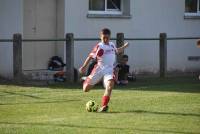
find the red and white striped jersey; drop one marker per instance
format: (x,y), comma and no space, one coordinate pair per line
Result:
(105,54)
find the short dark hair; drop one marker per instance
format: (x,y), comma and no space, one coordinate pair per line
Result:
(125,56)
(106,31)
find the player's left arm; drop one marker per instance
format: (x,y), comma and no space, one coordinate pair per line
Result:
(121,49)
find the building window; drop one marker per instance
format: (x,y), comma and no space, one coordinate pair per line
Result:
(105,6)
(192,7)
(109,9)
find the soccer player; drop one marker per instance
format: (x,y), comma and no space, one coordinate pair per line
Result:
(105,53)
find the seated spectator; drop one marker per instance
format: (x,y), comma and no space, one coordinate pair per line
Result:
(91,66)
(198,43)
(122,71)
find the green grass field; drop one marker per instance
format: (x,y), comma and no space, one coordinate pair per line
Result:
(148,106)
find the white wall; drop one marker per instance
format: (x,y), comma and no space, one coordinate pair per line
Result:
(149,18)
(39,22)
(60,24)
(10,22)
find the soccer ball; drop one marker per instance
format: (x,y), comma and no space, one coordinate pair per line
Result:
(91,106)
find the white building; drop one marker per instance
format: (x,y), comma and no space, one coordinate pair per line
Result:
(85,18)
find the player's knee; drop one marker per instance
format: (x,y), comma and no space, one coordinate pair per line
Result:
(110,83)
(109,88)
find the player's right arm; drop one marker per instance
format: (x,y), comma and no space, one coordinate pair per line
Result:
(83,68)
(91,56)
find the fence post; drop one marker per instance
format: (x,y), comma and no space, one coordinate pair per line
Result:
(17,56)
(163,54)
(70,57)
(120,42)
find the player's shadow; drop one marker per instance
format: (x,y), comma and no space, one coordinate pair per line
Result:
(37,98)
(156,113)
(21,94)
(41,102)
(118,128)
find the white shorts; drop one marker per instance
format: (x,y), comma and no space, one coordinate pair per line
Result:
(100,73)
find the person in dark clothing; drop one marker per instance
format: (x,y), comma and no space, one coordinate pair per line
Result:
(198,43)
(122,71)
(91,66)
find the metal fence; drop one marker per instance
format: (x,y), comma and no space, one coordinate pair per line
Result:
(69,40)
